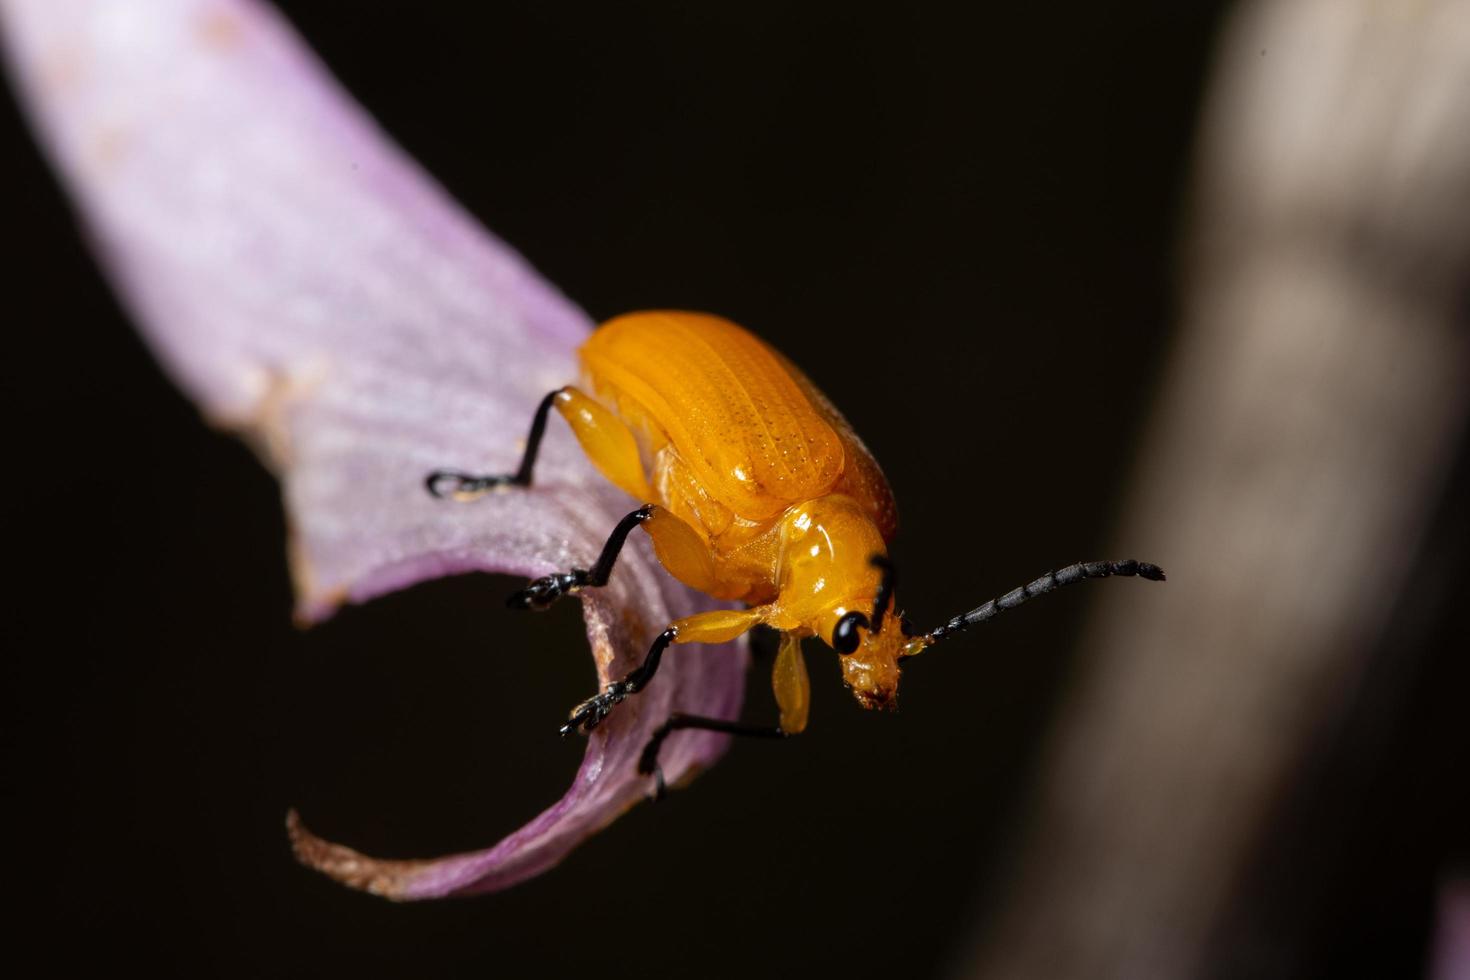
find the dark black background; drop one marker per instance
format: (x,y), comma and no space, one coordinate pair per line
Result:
(960,225)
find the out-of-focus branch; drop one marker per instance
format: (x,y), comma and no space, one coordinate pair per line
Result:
(1311,409)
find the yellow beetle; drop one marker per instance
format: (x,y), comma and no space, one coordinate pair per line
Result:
(756,490)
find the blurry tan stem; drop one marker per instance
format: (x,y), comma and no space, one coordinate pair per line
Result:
(1311,408)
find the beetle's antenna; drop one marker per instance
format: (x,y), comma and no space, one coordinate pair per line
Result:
(1048,582)
(885,589)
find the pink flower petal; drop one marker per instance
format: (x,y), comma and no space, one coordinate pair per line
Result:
(309,286)
(1450,956)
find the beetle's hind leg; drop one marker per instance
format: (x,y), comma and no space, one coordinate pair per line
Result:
(542,592)
(606,440)
(467,486)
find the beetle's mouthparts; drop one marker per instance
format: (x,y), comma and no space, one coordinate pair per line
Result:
(877,700)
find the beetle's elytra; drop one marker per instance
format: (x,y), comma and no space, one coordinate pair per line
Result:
(755,489)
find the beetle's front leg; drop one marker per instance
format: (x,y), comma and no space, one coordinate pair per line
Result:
(793,694)
(715,626)
(678,721)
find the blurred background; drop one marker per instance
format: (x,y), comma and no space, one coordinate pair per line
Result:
(1184,283)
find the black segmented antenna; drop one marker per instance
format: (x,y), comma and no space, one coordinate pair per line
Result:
(885,589)
(1046,583)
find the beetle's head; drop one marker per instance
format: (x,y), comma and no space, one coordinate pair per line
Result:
(871,641)
(871,668)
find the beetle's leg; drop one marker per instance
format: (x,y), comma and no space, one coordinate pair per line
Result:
(467,486)
(715,626)
(608,443)
(792,685)
(648,760)
(542,592)
(793,695)
(683,552)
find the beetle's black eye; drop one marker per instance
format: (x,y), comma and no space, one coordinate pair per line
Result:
(845,635)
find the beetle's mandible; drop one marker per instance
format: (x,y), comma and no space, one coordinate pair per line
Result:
(755,489)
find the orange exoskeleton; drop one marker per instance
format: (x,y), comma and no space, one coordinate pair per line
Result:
(755,489)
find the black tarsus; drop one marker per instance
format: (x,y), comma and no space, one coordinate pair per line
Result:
(542,592)
(454,483)
(1046,583)
(648,761)
(590,713)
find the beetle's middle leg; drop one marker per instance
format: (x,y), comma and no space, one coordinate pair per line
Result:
(683,552)
(715,626)
(542,592)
